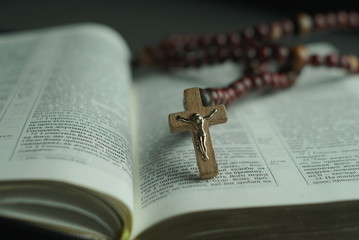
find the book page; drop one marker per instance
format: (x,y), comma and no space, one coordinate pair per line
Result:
(295,146)
(64,108)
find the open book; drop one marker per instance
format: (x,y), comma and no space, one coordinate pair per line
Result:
(86,149)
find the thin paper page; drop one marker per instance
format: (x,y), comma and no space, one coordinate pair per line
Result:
(268,153)
(64,109)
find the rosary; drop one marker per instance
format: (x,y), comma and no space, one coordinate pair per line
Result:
(267,65)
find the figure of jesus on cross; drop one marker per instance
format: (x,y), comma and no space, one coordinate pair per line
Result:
(200,133)
(197,119)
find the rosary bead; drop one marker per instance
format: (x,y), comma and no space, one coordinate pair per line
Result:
(205,41)
(264,53)
(261,32)
(331,19)
(280,52)
(233,39)
(219,40)
(226,98)
(267,78)
(211,55)
(236,54)
(258,82)
(238,87)
(231,95)
(316,60)
(344,62)
(247,34)
(190,42)
(249,53)
(305,23)
(300,57)
(171,41)
(287,26)
(220,96)
(353,19)
(170,53)
(275,80)
(320,21)
(284,80)
(343,19)
(275,31)
(332,60)
(353,64)
(222,54)
(247,83)
(214,95)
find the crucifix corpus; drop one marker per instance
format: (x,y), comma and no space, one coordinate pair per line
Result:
(197,118)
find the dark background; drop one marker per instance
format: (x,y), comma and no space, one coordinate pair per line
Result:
(144,22)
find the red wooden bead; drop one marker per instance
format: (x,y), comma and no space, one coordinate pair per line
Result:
(332,19)
(287,26)
(276,80)
(263,67)
(343,18)
(267,78)
(231,95)
(211,55)
(238,87)
(249,53)
(264,53)
(344,62)
(233,38)
(247,83)
(332,60)
(219,40)
(220,96)
(281,53)
(190,42)
(261,32)
(225,98)
(257,82)
(284,80)
(353,19)
(223,54)
(316,60)
(213,94)
(236,54)
(205,41)
(247,34)
(171,41)
(320,21)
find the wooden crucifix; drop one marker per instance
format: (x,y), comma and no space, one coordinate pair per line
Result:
(197,119)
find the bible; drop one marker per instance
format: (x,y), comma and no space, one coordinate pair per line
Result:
(87,153)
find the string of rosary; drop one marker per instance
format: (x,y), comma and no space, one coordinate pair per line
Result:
(267,65)
(254,48)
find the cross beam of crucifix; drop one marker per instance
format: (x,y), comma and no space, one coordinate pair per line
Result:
(197,120)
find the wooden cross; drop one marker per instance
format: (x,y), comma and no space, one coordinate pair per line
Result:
(197,119)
